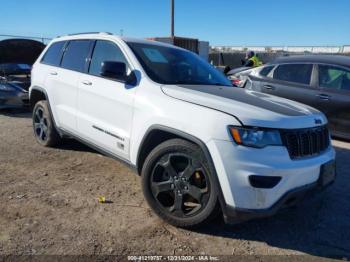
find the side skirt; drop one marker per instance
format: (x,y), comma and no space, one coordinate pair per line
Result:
(97,148)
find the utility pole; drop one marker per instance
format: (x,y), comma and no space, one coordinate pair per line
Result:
(172,18)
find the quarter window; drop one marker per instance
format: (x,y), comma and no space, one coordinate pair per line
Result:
(266,70)
(74,57)
(333,77)
(296,73)
(105,51)
(53,54)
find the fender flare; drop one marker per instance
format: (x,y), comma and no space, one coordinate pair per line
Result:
(38,88)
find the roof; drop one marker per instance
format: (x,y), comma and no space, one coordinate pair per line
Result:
(322,59)
(103,35)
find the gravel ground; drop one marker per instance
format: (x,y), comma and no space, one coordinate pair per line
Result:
(48,205)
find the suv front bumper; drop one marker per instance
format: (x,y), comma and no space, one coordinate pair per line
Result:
(291,198)
(235,164)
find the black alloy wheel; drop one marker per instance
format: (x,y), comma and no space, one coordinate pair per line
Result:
(43,126)
(178,185)
(40,124)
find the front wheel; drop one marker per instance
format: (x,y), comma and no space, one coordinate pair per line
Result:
(178,185)
(43,126)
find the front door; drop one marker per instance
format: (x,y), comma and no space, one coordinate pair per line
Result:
(105,106)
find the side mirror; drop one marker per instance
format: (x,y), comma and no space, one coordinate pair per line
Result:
(114,70)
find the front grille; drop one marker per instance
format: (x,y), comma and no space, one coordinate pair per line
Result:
(306,142)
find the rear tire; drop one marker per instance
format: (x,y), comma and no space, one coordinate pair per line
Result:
(178,185)
(44,129)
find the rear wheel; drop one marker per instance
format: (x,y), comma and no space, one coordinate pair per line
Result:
(44,129)
(178,185)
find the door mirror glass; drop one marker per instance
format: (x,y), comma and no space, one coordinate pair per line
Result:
(114,70)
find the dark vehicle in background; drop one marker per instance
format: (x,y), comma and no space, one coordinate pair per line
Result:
(321,81)
(16,59)
(14,85)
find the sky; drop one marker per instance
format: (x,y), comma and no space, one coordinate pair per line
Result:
(221,22)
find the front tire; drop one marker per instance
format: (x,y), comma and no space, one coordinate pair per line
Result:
(178,185)
(44,130)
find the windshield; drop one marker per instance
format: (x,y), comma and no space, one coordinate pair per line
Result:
(166,65)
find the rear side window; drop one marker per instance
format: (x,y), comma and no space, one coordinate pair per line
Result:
(105,51)
(53,54)
(266,70)
(296,73)
(74,57)
(333,77)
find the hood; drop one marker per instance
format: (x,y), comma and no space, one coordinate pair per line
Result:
(250,107)
(20,51)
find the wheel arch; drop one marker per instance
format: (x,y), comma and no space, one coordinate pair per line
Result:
(163,133)
(36,94)
(157,134)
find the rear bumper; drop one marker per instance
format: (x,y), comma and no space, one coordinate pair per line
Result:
(238,215)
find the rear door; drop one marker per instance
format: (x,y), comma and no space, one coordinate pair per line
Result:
(105,105)
(64,81)
(50,68)
(292,81)
(334,97)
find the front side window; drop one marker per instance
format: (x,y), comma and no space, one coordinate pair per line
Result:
(333,77)
(105,51)
(53,54)
(167,65)
(295,73)
(74,57)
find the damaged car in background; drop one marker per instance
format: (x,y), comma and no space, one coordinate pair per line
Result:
(16,59)
(14,85)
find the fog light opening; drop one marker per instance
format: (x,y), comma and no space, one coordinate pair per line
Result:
(264,181)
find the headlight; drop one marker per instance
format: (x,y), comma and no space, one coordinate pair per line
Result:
(6,88)
(255,137)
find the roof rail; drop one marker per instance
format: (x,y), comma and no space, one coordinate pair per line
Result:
(86,33)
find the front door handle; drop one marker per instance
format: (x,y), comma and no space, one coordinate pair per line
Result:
(53,73)
(323,97)
(269,87)
(86,82)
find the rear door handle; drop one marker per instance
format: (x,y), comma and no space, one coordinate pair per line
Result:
(53,73)
(323,97)
(269,87)
(86,82)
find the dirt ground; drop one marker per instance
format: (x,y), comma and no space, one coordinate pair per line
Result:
(48,205)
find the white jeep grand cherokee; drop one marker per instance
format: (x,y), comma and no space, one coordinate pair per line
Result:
(199,144)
